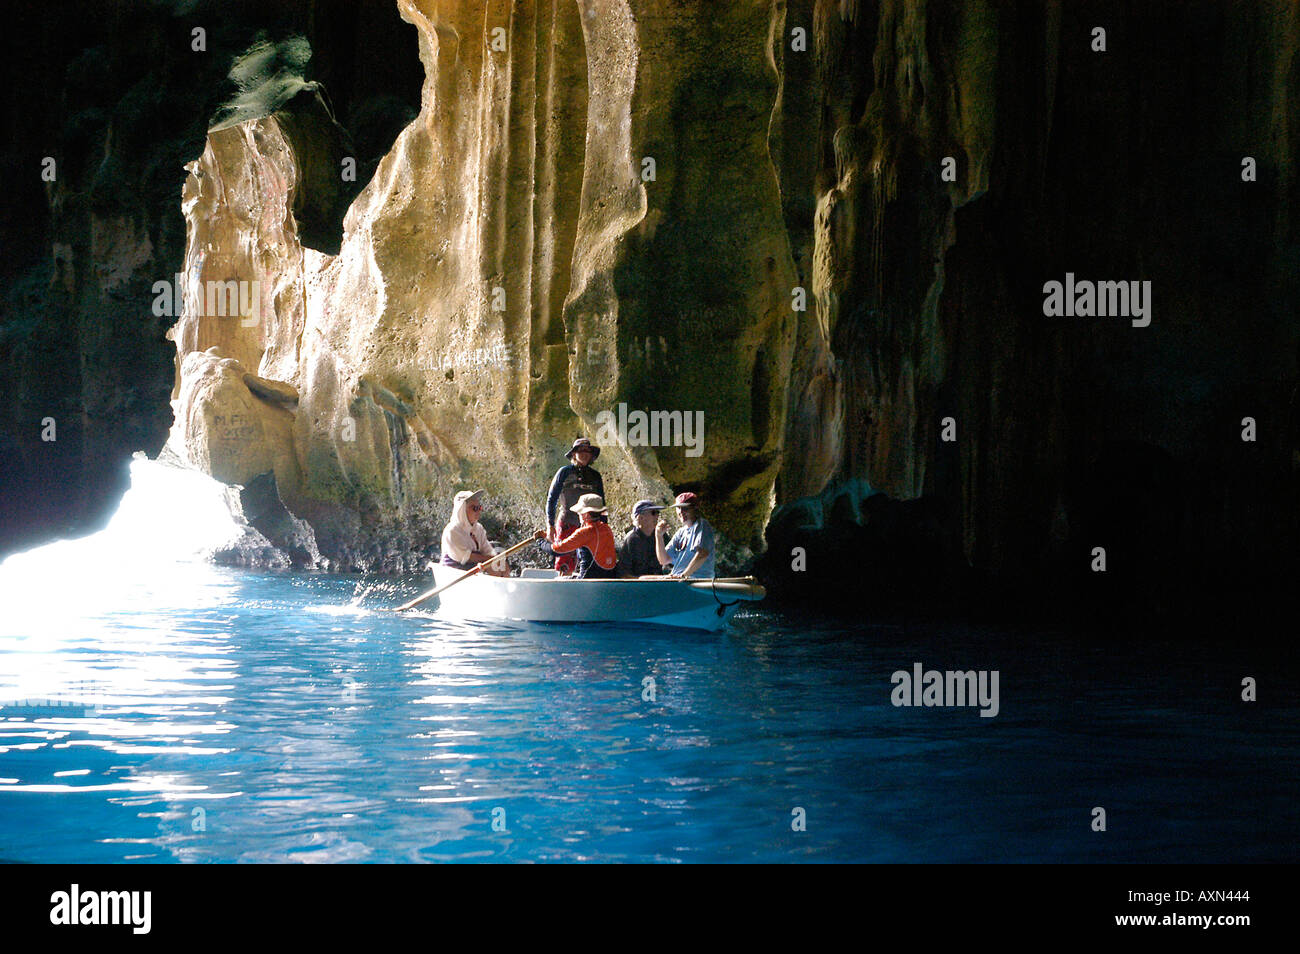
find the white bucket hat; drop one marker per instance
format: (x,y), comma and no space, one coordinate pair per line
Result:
(589,503)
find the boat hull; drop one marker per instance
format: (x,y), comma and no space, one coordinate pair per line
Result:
(691,604)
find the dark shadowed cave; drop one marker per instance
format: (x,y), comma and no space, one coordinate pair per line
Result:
(776,168)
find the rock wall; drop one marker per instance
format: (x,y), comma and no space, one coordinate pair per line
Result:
(510,273)
(1071,434)
(120,96)
(623,202)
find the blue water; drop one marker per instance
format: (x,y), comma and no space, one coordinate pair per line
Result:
(306,728)
(154,708)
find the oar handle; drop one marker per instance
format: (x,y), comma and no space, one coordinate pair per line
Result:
(539,535)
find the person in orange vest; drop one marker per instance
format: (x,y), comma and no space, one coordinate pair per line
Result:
(593,541)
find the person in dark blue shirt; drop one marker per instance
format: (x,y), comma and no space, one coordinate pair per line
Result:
(638,556)
(569,484)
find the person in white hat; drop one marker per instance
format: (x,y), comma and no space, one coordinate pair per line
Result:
(464,541)
(593,541)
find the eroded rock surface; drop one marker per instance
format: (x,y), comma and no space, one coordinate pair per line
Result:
(621,202)
(505,276)
(119,100)
(615,203)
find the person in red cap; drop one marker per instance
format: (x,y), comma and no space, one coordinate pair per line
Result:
(569,484)
(690,551)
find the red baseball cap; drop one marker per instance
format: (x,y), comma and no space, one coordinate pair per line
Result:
(687,499)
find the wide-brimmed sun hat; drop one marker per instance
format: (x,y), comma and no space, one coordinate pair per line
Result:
(583,444)
(590,503)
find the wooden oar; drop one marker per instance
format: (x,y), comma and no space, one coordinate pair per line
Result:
(478,569)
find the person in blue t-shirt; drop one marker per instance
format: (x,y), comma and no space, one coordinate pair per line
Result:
(690,551)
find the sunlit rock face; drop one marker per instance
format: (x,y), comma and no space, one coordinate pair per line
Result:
(235,425)
(568,226)
(743,211)
(248,206)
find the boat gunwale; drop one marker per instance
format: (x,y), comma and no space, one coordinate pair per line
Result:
(621,579)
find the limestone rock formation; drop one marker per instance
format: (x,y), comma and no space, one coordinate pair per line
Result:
(228,430)
(503,279)
(824,224)
(105,106)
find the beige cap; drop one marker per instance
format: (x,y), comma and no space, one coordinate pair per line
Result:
(589,503)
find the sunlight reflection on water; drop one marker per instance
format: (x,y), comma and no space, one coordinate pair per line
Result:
(156,708)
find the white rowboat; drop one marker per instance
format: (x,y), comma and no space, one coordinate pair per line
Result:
(543,596)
